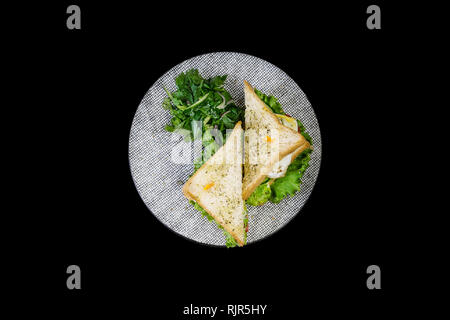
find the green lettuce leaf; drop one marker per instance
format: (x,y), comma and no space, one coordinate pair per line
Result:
(290,183)
(270,101)
(304,133)
(202,211)
(230,241)
(261,194)
(281,187)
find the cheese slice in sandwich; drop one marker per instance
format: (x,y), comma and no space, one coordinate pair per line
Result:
(269,145)
(217,186)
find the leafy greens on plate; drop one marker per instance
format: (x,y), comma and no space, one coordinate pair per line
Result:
(199,99)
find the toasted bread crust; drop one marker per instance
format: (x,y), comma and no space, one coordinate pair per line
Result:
(301,142)
(187,193)
(302,148)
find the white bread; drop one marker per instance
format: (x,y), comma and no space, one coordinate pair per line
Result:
(217,186)
(267,141)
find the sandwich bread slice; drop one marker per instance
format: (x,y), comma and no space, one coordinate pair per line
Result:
(217,187)
(270,147)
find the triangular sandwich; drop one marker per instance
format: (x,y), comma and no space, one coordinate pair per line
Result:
(217,187)
(269,146)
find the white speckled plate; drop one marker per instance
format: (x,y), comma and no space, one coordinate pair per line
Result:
(159,181)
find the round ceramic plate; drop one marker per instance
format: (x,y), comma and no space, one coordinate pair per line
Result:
(159,180)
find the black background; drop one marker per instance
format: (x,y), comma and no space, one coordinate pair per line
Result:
(83,88)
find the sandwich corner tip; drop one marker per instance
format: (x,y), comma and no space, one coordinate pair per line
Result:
(247,85)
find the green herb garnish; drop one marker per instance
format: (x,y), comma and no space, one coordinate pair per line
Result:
(199,99)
